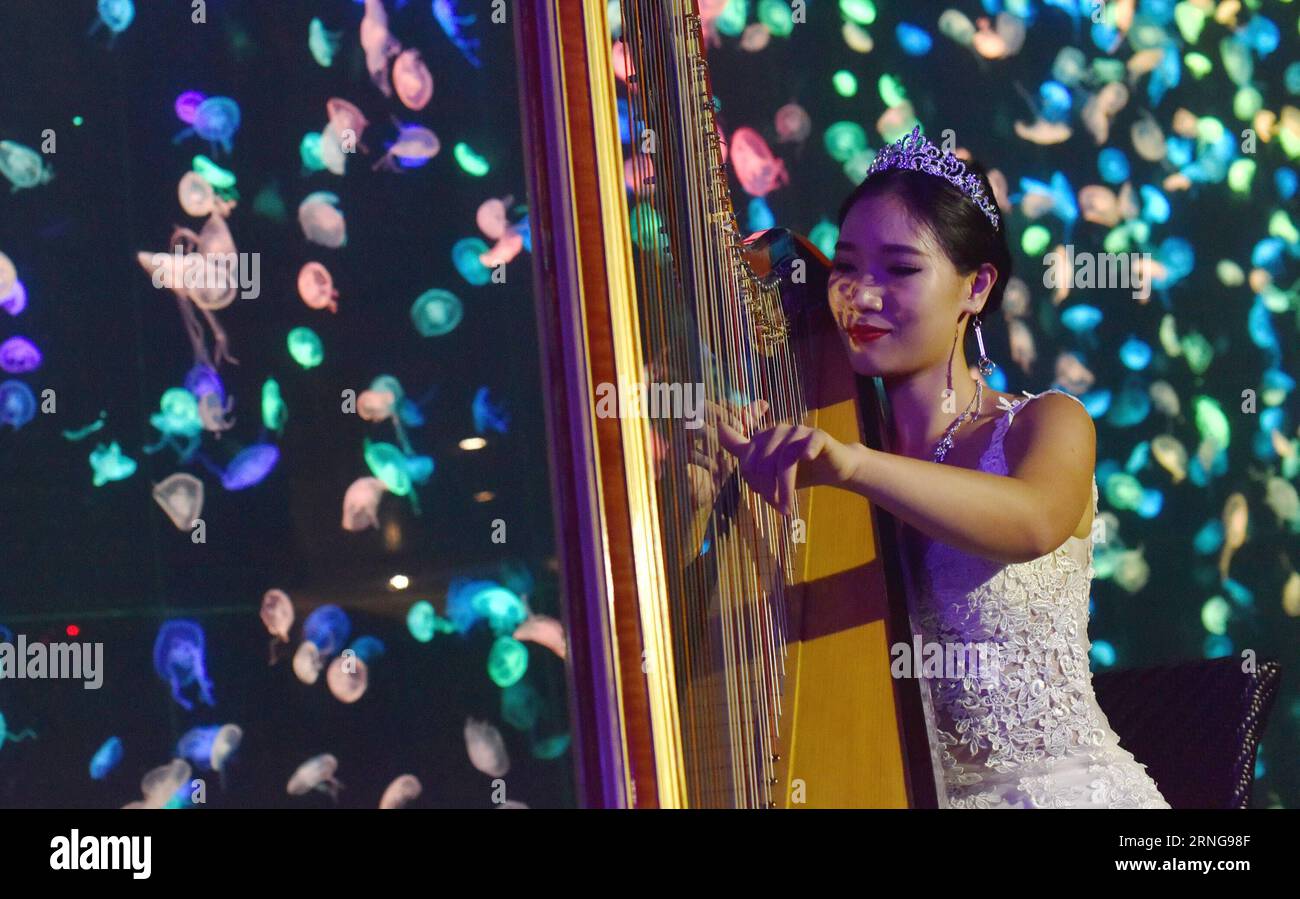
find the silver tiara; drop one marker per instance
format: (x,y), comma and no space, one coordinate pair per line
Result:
(916,153)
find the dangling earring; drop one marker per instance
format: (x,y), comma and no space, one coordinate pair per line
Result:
(986,365)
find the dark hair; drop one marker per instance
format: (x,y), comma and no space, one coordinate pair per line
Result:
(961,228)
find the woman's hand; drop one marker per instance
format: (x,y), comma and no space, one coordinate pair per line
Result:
(775,462)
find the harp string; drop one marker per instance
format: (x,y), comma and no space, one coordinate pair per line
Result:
(707,319)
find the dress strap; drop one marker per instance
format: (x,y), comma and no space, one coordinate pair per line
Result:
(994,458)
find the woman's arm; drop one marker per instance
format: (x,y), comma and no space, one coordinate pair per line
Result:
(1050,450)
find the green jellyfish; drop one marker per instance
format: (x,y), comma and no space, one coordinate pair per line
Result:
(507,661)
(109,464)
(470,162)
(305,347)
(274,412)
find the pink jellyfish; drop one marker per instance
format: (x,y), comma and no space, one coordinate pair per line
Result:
(181,497)
(376,405)
(277,615)
(316,287)
(317,773)
(307,663)
(487,751)
(404,790)
(491,218)
(412,80)
(199,199)
(347,677)
(322,222)
(638,173)
(160,784)
(347,120)
(1098,205)
(379,45)
(758,171)
(792,123)
(361,504)
(544,631)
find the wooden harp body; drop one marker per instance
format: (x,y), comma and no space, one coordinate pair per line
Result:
(720,655)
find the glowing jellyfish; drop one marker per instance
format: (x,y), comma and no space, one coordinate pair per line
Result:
(316,287)
(178,657)
(199,199)
(317,773)
(10,736)
(388,464)
(216,120)
(210,748)
(307,663)
(957,27)
(758,171)
(305,347)
(401,792)
(376,405)
(322,222)
(487,415)
(792,123)
(8,275)
(181,497)
(23,166)
(1148,139)
(470,163)
(1099,205)
(109,464)
(436,312)
(415,145)
(346,120)
(412,80)
(322,44)
(160,784)
(311,152)
(378,44)
(914,40)
(361,504)
(328,628)
(19,355)
(347,677)
(17,404)
(544,631)
(14,299)
(453,25)
(106,758)
(520,706)
(424,623)
(277,615)
(487,751)
(115,15)
(466,255)
(274,411)
(507,661)
(178,422)
(249,468)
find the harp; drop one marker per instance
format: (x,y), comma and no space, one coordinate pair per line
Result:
(721,655)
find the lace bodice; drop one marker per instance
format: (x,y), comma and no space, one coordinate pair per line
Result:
(1004,730)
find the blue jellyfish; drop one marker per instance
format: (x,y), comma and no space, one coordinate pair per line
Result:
(1054,100)
(116,15)
(202,380)
(248,468)
(12,737)
(914,40)
(106,758)
(465,255)
(1113,165)
(1081,318)
(453,25)
(487,415)
(1285,179)
(1135,354)
(215,120)
(328,629)
(520,705)
(178,657)
(17,405)
(210,748)
(368,649)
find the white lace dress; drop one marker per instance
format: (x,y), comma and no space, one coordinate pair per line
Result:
(1027,732)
